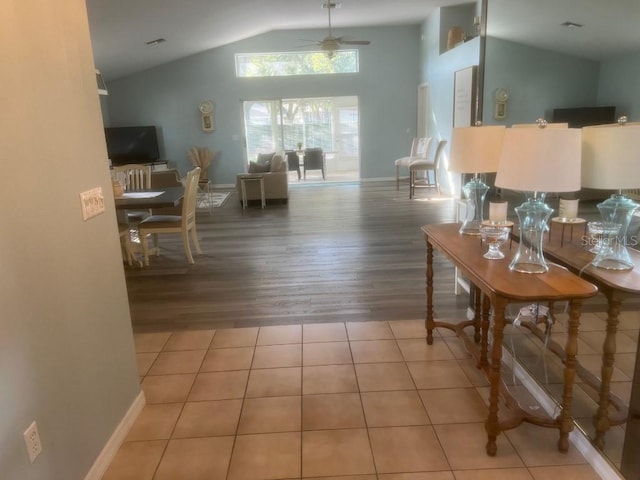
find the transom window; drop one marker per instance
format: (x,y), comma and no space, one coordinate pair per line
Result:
(295,63)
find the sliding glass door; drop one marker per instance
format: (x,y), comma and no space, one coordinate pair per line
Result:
(295,124)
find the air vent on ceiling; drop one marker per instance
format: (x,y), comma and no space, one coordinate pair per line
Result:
(156,41)
(571,24)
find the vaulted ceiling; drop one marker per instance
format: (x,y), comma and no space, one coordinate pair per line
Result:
(121,28)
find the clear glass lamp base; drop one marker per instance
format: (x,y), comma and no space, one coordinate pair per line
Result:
(474,191)
(533,215)
(612,254)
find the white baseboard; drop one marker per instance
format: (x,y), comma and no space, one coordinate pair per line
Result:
(576,437)
(113,444)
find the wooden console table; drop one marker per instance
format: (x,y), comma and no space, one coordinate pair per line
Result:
(616,287)
(500,286)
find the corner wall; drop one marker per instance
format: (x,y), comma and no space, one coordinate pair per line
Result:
(66,348)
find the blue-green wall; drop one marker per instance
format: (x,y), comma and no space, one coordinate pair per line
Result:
(619,81)
(538,81)
(168,96)
(438,71)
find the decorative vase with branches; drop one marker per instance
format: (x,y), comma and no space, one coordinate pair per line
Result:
(201,157)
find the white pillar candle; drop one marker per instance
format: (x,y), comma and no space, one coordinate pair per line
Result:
(568,209)
(498,211)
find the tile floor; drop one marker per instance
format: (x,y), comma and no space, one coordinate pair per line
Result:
(354,401)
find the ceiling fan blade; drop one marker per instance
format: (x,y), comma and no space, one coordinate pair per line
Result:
(354,42)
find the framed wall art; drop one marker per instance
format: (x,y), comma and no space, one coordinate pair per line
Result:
(464,97)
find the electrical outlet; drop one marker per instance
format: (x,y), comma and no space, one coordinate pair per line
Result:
(32,441)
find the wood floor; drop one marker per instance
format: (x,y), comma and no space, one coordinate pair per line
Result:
(345,252)
(335,253)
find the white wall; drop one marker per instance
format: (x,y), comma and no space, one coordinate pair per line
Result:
(168,96)
(66,348)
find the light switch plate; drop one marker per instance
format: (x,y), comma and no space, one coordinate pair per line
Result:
(92,202)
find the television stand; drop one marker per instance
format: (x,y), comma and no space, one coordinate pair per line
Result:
(159,165)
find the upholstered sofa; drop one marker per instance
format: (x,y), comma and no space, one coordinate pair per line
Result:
(274,170)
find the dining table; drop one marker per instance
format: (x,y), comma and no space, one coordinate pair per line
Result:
(144,199)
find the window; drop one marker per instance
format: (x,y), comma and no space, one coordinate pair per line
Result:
(295,63)
(331,123)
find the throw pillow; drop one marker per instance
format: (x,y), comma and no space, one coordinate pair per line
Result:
(278,164)
(264,158)
(257,168)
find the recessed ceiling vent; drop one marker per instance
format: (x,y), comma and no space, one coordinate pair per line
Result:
(157,41)
(571,24)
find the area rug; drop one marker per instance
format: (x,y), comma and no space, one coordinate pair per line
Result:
(208,200)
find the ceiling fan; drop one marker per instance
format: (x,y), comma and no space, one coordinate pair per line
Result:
(331,44)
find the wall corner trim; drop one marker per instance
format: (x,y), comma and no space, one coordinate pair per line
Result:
(110,449)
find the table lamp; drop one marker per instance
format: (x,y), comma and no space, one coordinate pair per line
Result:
(611,160)
(475,150)
(535,161)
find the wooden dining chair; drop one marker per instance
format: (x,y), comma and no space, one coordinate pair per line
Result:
(134,177)
(184,223)
(428,167)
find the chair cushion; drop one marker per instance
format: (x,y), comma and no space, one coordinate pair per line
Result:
(137,216)
(161,221)
(255,167)
(421,165)
(404,161)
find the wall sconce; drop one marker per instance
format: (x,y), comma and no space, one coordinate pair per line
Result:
(206,110)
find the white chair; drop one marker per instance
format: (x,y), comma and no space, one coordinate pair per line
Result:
(184,224)
(419,151)
(134,177)
(428,167)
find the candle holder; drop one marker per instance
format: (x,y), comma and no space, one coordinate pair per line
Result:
(495,237)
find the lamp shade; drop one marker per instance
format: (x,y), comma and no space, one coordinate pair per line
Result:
(611,156)
(540,160)
(476,149)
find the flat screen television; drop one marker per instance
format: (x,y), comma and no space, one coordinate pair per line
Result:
(132,144)
(579,117)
